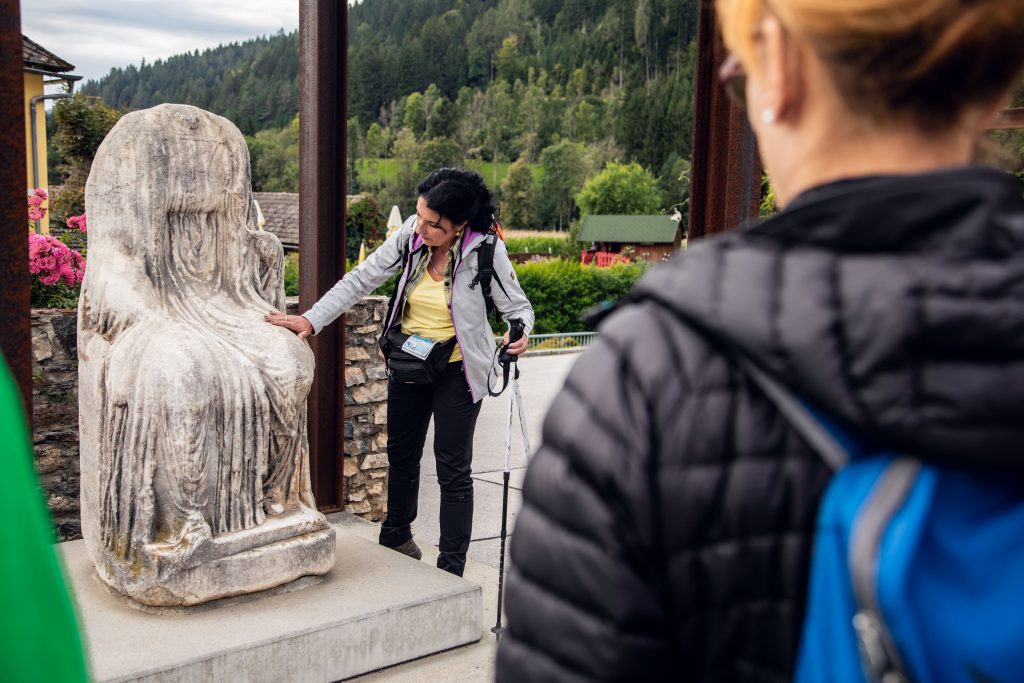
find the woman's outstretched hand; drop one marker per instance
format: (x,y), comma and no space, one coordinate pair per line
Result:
(296,323)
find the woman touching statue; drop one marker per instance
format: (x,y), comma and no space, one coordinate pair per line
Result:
(439,310)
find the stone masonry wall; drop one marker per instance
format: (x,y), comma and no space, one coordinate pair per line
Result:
(55,412)
(366,409)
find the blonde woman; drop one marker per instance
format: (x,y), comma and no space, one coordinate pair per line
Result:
(667,519)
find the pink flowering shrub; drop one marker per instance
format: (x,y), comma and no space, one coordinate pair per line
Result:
(57,269)
(77,223)
(36,210)
(53,261)
(75,235)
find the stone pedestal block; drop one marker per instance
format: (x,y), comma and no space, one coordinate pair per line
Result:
(374,609)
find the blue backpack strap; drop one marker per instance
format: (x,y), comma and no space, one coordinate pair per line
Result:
(879,656)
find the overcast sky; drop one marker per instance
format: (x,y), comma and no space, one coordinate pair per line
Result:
(96,35)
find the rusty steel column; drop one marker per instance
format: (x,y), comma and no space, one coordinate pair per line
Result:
(1010,118)
(725,187)
(15,299)
(323,47)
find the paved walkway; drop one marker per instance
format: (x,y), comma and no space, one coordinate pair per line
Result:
(541,379)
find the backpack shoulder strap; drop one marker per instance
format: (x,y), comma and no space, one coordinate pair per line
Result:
(835,451)
(485,270)
(879,655)
(403,255)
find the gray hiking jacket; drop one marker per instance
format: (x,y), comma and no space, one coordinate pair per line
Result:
(404,251)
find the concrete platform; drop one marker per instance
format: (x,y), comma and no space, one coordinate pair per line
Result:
(375,609)
(542,378)
(473,663)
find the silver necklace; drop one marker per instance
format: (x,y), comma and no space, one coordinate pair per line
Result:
(431,264)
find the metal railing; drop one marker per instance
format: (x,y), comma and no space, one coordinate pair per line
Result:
(560,342)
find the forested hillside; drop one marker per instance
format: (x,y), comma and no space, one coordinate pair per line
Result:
(561,87)
(254,84)
(601,58)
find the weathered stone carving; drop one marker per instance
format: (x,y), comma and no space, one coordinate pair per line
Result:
(195,471)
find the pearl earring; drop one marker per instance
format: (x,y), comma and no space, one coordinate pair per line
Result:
(768,116)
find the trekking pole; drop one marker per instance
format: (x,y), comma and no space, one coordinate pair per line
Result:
(497,630)
(514,397)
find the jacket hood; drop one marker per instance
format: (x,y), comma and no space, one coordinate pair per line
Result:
(895,304)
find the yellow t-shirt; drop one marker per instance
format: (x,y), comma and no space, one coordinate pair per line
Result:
(426,313)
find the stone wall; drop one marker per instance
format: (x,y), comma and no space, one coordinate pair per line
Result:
(366,409)
(55,412)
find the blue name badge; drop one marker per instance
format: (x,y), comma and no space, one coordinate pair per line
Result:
(418,346)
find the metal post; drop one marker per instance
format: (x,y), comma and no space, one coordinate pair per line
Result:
(725,189)
(323,47)
(35,144)
(15,297)
(1010,118)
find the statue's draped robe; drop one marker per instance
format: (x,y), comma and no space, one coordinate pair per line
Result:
(202,415)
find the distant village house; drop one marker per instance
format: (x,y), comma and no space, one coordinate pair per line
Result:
(41,68)
(615,239)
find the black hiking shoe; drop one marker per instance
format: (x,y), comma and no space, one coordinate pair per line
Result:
(409,548)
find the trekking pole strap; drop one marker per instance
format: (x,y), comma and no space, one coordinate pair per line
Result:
(522,415)
(506,370)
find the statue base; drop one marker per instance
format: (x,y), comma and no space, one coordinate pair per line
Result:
(285,548)
(374,609)
(296,585)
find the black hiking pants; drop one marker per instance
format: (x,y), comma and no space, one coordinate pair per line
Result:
(410,407)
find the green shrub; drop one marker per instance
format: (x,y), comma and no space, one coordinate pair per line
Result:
(291,273)
(388,288)
(536,244)
(363,222)
(561,291)
(291,277)
(620,189)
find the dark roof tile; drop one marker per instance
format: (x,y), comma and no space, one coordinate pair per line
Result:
(35,56)
(281,213)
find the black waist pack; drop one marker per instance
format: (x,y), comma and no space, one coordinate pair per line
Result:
(405,367)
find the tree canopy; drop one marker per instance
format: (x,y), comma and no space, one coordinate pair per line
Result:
(620,189)
(567,86)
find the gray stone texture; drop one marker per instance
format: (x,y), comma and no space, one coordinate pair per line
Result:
(366,409)
(195,479)
(55,415)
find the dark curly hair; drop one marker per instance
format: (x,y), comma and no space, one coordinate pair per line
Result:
(461,195)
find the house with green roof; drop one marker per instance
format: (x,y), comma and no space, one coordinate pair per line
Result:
(636,238)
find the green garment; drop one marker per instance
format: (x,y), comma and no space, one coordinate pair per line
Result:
(39,638)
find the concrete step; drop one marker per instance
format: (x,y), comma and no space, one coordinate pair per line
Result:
(375,609)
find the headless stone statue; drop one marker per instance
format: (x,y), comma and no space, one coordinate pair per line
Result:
(195,463)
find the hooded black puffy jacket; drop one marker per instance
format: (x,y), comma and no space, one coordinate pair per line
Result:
(667,518)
